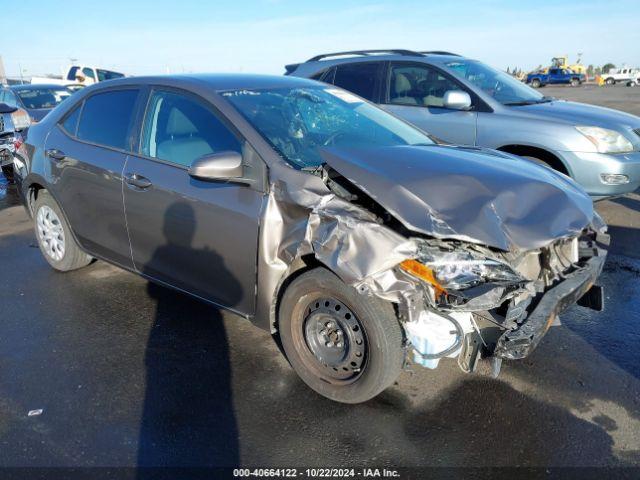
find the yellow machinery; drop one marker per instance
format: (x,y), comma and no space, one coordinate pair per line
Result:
(563,62)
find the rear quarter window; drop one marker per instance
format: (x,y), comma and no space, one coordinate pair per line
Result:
(106,118)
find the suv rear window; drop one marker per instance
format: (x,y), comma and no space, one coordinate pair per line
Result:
(359,78)
(106,118)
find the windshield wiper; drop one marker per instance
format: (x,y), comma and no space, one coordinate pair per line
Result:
(530,102)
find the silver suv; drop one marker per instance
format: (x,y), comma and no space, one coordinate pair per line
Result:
(466,102)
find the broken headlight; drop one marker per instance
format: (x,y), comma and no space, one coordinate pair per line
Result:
(459,270)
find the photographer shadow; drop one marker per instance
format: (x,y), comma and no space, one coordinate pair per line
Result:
(188,417)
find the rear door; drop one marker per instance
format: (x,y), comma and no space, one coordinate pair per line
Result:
(415,92)
(198,236)
(87,152)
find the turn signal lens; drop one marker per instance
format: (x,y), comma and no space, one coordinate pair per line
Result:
(417,269)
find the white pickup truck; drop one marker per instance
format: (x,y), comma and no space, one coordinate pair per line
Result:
(79,75)
(623,74)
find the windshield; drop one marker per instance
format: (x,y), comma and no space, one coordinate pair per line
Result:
(108,75)
(298,122)
(36,98)
(501,86)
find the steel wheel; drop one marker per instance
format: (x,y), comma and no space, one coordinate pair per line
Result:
(335,341)
(50,233)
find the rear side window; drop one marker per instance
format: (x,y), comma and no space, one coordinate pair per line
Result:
(359,78)
(106,118)
(70,123)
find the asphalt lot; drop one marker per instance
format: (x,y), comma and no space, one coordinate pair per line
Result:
(130,374)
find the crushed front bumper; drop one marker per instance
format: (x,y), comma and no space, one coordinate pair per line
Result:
(517,344)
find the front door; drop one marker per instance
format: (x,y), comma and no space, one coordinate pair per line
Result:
(198,236)
(415,92)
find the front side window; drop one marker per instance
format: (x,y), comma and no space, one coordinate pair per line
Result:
(418,85)
(499,85)
(359,78)
(300,122)
(179,129)
(106,118)
(36,98)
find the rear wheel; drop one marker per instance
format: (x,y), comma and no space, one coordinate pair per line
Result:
(575,82)
(54,236)
(535,83)
(346,346)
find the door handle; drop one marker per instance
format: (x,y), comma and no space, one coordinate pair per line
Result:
(55,154)
(137,181)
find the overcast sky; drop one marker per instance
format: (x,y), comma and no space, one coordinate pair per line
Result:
(170,36)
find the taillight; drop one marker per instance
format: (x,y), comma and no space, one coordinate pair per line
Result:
(18,142)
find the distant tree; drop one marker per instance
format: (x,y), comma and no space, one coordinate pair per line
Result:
(598,71)
(508,71)
(607,67)
(590,70)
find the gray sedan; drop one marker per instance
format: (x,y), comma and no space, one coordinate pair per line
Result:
(466,102)
(340,228)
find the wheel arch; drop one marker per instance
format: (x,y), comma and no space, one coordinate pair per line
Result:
(553,160)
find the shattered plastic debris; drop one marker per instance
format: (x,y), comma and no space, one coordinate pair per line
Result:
(35,413)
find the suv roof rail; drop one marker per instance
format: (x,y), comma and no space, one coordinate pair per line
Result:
(439,52)
(366,53)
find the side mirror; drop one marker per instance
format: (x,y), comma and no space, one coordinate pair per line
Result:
(218,166)
(457,100)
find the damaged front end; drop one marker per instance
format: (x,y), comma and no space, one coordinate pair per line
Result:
(503,302)
(454,298)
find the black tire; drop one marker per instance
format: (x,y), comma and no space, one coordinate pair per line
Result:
(575,82)
(71,257)
(536,83)
(380,343)
(610,81)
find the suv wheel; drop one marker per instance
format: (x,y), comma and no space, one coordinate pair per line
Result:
(610,81)
(535,83)
(575,82)
(54,236)
(346,346)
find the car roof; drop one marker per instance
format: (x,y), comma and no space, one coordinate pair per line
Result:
(218,82)
(37,86)
(321,62)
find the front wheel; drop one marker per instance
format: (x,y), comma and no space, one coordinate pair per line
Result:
(55,240)
(535,83)
(575,82)
(610,81)
(346,346)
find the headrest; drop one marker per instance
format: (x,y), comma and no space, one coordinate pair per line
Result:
(179,124)
(402,83)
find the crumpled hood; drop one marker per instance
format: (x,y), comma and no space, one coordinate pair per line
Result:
(576,113)
(480,196)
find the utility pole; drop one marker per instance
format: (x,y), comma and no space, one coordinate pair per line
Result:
(3,76)
(21,77)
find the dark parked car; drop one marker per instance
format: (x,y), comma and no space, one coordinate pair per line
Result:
(318,216)
(37,100)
